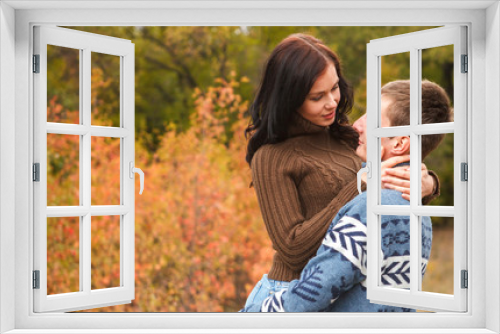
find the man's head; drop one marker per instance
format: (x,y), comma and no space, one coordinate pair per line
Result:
(395,111)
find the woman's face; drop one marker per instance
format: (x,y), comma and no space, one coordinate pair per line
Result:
(321,103)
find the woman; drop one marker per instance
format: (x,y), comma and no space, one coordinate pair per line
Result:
(302,153)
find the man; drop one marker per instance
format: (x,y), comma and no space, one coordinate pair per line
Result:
(334,280)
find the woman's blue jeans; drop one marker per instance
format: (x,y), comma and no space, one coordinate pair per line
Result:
(264,288)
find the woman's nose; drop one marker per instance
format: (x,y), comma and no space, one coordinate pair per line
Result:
(332,101)
(357,125)
(360,124)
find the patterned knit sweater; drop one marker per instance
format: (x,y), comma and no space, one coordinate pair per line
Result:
(334,280)
(301,184)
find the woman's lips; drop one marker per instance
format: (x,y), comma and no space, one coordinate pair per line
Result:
(330,115)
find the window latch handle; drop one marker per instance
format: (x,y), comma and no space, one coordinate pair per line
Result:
(133,170)
(368,170)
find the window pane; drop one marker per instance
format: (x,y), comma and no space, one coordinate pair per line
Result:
(437,67)
(395,97)
(105,251)
(63,85)
(439,274)
(63,170)
(391,147)
(105,89)
(440,161)
(63,255)
(395,243)
(105,171)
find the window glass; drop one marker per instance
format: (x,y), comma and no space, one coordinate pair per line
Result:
(438,67)
(395,245)
(63,255)
(63,170)
(105,89)
(105,171)
(440,161)
(105,235)
(63,85)
(439,273)
(394,67)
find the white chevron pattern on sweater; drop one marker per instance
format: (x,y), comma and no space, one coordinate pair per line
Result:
(396,271)
(273,303)
(348,238)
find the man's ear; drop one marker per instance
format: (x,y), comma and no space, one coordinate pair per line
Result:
(400,145)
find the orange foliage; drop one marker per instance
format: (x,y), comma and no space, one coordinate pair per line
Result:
(200,241)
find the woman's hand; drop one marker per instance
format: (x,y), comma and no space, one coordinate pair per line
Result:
(398,178)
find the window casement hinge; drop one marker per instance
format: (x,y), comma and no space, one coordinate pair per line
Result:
(36,279)
(464,171)
(465,64)
(36,172)
(36,63)
(465,279)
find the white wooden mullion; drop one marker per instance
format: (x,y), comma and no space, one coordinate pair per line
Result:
(67,211)
(86,166)
(127,221)
(75,39)
(419,299)
(40,156)
(80,211)
(76,129)
(460,156)
(406,210)
(109,210)
(81,158)
(392,131)
(373,153)
(74,301)
(122,174)
(425,129)
(432,129)
(104,131)
(415,177)
(67,129)
(42,223)
(415,40)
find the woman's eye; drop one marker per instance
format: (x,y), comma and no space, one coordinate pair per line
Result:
(335,87)
(316,98)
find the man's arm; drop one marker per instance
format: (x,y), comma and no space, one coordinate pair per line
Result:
(339,264)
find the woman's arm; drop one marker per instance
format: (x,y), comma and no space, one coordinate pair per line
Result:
(398,178)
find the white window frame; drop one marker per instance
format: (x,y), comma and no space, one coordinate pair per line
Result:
(85,44)
(414,43)
(483,20)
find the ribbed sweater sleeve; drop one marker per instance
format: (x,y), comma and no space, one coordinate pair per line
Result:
(437,189)
(276,175)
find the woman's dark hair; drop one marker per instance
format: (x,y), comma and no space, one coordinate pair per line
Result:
(290,72)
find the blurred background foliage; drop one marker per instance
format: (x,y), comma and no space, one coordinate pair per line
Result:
(200,241)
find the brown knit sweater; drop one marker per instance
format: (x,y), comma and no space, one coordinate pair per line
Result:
(301,184)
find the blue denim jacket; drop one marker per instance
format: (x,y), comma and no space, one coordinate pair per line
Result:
(334,280)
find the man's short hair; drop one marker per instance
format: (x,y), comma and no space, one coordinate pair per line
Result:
(436,108)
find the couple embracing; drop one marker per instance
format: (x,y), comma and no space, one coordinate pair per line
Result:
(304,156)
